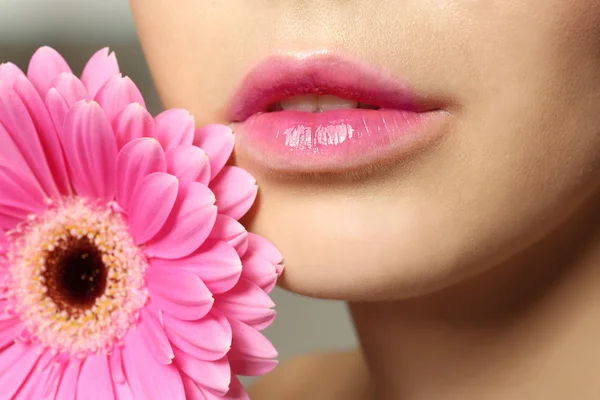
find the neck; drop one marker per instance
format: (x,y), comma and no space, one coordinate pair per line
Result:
(527,329)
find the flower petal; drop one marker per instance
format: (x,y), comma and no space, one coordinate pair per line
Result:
(17,121)
(189,163)
(115,361)
(231,231)
(148,379)
(260,245)
(9,73)
(189,224)
(67,388)
(71,88)
(44,66)
(101,67)
(15,175)
(16,363)
(261,262)
(94,382)
(57,107)
(248,303)
(236,390)
(235,190)
(179,293)
(215,262)
(132,123)
(251,353)
(3,249)
(33,386)
(174,127)
(91,151)
(135,161)
(217,141)
(116,94)
(192,391)
(47,133)
(208,338)
(19,194)
(214,375)
(53,380)
(155,337)
(151,203)
(10,330)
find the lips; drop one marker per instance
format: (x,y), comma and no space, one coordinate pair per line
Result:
(323,112)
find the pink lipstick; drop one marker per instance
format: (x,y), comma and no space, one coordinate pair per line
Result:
(325,113)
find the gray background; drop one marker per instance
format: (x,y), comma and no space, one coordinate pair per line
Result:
(77,28)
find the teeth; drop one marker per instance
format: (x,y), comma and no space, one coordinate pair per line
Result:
(314,103)
(309,103)
(327,103)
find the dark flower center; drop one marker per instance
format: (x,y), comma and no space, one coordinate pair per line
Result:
(75,274)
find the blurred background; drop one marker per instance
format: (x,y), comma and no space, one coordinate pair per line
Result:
(77,29)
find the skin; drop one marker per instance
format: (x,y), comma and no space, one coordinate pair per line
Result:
(484,240)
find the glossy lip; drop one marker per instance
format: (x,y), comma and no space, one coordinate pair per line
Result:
(329,141)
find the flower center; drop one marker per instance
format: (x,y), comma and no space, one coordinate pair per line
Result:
(75,274)
(76,277)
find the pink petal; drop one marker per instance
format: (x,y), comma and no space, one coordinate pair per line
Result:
(16,363)
(235,190)
(25,191)
(94,381)
(179,293)
(101,67)
(3,249)
(259,245)
(71,88)
(236,390)
(53,380)
(206,339)
(17,121)
(151,204)
(33,387)
(251,354)
(123,391)
(135,161)
(47,133)
(91,151)
(115,361)
(215,262)
(19,194)
(217,141)
(189,163)
(231,231)
(214,375)
(58,108)
(189,224)
(44,66)
(155,337)
(148,379)
(261,262)
(116,94)
(132,123)
(9,73)
(248,303)
(67,388)
(192,391)
(174,127)
(10,217)
(10,330)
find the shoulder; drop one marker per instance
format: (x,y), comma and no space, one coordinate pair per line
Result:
(313,376)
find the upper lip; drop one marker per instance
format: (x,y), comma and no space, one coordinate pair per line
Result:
(286,75)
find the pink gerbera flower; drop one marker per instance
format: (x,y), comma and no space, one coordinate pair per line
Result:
(124,273)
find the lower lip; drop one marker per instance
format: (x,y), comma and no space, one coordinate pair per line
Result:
(337,140)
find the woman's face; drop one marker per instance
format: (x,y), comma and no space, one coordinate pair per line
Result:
(508,94)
